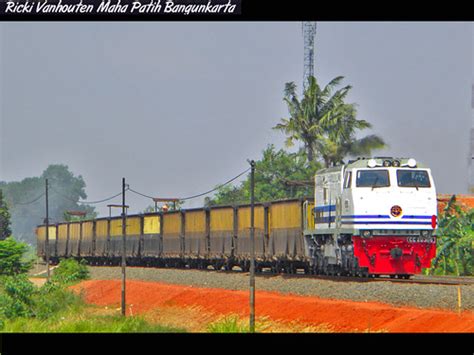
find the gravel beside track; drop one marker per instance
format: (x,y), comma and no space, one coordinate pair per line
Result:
(406,294)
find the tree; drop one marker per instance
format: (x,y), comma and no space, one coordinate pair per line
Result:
(5,230)
(325,124)
(27,205)
(278,175)
(455,241)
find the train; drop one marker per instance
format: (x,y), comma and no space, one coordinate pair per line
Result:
(369,217)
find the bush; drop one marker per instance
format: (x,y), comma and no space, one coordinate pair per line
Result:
(11,257)
(70,270)
(21,301)
(455,241)
(53,298)
(16,297)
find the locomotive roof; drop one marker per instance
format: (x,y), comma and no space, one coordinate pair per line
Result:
(362,163)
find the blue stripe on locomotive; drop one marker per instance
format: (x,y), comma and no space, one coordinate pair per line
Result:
(332,208)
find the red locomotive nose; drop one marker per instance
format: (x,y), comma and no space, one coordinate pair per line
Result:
(433,221)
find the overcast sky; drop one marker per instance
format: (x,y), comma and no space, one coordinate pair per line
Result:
(177,108)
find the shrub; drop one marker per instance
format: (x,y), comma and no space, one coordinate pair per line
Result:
(11,257)
(455,241)
(16,297)
(70,270)
(52,298)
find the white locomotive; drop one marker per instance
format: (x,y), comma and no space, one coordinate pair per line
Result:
(373,216)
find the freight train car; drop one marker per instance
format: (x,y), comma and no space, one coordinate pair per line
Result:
(368,217)
(197,238)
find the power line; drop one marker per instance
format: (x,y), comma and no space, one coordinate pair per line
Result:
(87,202)
(216,188)
(139,193)
(198,195)
(29,203)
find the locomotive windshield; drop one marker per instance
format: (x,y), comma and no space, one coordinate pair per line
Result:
(413,178)
(372,178)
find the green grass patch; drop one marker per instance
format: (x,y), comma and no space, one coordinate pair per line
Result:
(79,321)
(52,307)
(229,324)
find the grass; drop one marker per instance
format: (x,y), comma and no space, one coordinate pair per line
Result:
(53,308)
(81,318)
(70,323)
(234,324)
(229,324)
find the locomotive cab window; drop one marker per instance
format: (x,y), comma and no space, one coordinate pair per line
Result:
(372,178)
(413,178)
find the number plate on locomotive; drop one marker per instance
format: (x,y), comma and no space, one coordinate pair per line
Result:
(421,239)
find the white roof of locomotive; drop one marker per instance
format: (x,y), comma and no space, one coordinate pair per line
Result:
(362,163)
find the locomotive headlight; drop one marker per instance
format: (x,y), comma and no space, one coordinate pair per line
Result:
(411,163)
(372,163)
(396,163)
(366,233)
(387,163)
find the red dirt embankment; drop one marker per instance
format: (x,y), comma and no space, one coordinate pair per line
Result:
(465,201)
(341,316)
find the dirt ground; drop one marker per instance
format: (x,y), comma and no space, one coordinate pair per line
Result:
(193,308)
(38,281)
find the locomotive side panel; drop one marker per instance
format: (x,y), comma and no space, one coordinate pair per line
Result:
(327,192)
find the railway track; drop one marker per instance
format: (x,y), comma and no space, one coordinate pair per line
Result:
(415,279)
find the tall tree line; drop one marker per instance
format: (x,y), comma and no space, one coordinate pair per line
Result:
(26,202)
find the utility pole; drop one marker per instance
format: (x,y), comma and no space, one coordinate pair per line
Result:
(47,231)
(252,247)
(124,232)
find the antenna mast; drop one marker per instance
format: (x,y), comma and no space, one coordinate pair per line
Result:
(309,33)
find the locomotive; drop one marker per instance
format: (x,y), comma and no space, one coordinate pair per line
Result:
(370,217)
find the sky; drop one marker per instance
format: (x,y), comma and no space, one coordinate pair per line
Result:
(178,107)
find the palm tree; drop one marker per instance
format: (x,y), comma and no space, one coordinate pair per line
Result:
(324,123)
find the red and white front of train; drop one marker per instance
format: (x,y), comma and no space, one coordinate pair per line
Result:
(392,206)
